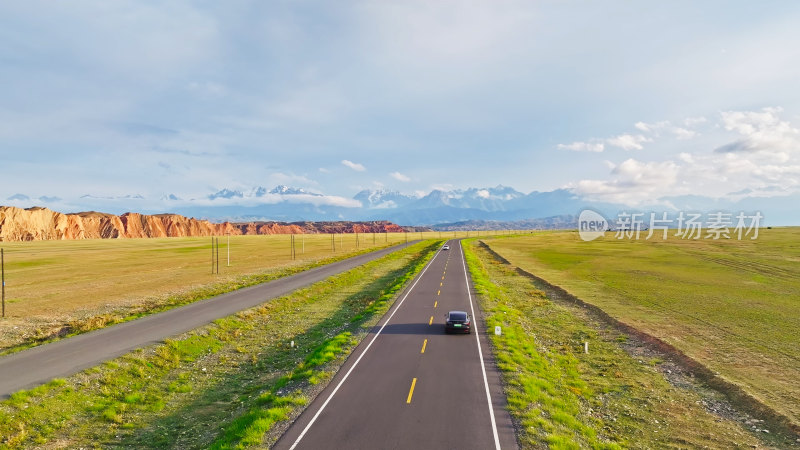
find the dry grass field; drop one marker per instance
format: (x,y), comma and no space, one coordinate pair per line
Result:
(732,305)
(56,287)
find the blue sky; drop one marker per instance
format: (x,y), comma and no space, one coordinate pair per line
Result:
(619,101)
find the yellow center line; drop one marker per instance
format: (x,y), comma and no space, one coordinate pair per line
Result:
(424,344)
(440,284)
(436,303)
(411,391)
(430,322)
(439,293)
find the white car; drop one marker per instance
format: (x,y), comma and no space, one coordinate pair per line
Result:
(446,247)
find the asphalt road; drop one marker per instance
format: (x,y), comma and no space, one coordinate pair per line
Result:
(410,386)
(41,364)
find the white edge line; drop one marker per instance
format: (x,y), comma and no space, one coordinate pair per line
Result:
(480,353)
(400,303)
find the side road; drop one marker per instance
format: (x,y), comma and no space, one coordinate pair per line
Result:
(39,365)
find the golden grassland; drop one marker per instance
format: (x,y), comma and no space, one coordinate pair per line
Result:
(60,287)
(731,305)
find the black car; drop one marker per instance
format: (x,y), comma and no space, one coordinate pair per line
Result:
(457,321)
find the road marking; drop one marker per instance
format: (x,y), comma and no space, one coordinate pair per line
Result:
(436,303)
(344,378)
(439,293)
(440,284)
(480,352)
(411,391)
(443,277)
(430,322)
(424,344)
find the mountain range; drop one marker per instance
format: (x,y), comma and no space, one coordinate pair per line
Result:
(471,206)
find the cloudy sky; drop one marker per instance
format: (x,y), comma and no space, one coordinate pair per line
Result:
(620,101)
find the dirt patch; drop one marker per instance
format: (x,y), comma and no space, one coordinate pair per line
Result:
(718,396)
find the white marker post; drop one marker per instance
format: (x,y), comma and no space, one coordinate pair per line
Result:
(497,331)
(586,347)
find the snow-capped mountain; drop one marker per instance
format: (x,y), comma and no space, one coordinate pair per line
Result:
(226,193)
(484,199)
(258,192)
(381,199)
(282,189)
(473,205)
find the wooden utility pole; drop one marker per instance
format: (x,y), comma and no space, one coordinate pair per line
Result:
(212,255)
(217,255)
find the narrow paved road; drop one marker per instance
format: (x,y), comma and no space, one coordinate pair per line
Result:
(410,386)
(41,364)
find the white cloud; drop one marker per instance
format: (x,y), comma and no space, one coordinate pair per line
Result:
(632,182)
(629,141)
(290,178)
(683,133)
(483,193)
(388,204)
(583,147)
(355,166)
(400,177)
(656,129)
(694,121)
(652,127)
(324,170)
(442,187)
(763,160)
(762,132)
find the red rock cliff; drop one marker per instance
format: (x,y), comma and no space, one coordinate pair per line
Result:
(34,224)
